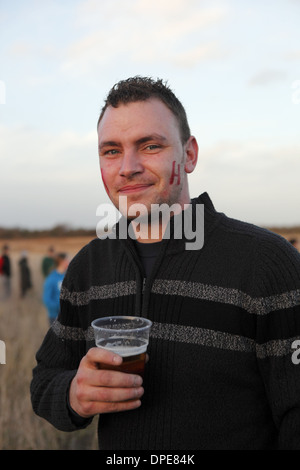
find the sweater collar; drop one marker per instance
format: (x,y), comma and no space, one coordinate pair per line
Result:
(197,224)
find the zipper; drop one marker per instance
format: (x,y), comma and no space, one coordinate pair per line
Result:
(143,305)
(143,293)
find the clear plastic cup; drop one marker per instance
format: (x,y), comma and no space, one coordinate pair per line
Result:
(124,335)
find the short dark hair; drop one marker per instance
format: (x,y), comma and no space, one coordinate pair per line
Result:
(143,88)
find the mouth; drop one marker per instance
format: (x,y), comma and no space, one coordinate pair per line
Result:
(134,188)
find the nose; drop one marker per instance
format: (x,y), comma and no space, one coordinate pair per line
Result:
(130,164)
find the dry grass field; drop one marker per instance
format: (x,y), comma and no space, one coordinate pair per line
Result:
(23,324)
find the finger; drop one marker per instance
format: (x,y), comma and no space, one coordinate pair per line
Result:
(98,400)
(113,407)
(115,379)
(97,355)
(122,406)
(115,395)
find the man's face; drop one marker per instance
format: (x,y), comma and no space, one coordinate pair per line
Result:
(142,156)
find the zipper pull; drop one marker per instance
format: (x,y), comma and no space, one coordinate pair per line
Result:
(144,284)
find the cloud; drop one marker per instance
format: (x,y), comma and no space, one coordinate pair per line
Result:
(34,155)
(292,55)
(117,33)
(92,12)
(253,180)
(20,48)
(143,32)
(267,77)
(198,54)
(47,178)
(256,157)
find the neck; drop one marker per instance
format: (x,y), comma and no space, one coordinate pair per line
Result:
(152,229)
(148,233)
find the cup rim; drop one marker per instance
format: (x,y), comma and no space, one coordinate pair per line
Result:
(122,317)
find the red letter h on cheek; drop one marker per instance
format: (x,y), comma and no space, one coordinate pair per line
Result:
(174,174)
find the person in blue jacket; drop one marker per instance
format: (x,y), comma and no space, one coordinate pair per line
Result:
(52,286)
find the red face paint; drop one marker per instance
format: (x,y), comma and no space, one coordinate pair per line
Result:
(105,185)
(174,174)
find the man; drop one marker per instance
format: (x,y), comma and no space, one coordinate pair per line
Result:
(222,370)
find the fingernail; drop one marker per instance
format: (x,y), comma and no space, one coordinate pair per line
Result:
(137,381)
(139,392)
(117,359)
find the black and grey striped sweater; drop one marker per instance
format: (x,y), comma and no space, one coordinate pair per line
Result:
(220,374)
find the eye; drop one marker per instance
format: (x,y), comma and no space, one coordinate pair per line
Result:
(111,152)
(152,147)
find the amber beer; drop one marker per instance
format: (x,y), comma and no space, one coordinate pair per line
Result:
(134,356)
(134,364)
(126,336)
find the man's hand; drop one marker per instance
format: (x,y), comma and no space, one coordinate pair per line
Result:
(94,391)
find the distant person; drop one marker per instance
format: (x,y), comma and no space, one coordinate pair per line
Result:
(48,262)
(25,274)
(1,276)
(295,243)
(52,286)
(6,272)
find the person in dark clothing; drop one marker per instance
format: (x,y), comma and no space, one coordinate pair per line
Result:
(6,272)
(25,274)
(48,262)
(222,370)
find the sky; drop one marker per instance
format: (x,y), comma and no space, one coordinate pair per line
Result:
(235,66)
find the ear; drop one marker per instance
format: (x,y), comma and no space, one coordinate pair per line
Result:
(191,154)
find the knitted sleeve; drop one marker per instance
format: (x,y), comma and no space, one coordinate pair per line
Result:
(277,306)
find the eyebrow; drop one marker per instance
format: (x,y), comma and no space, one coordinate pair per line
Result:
(108,143)
(150,137)
(142,140)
